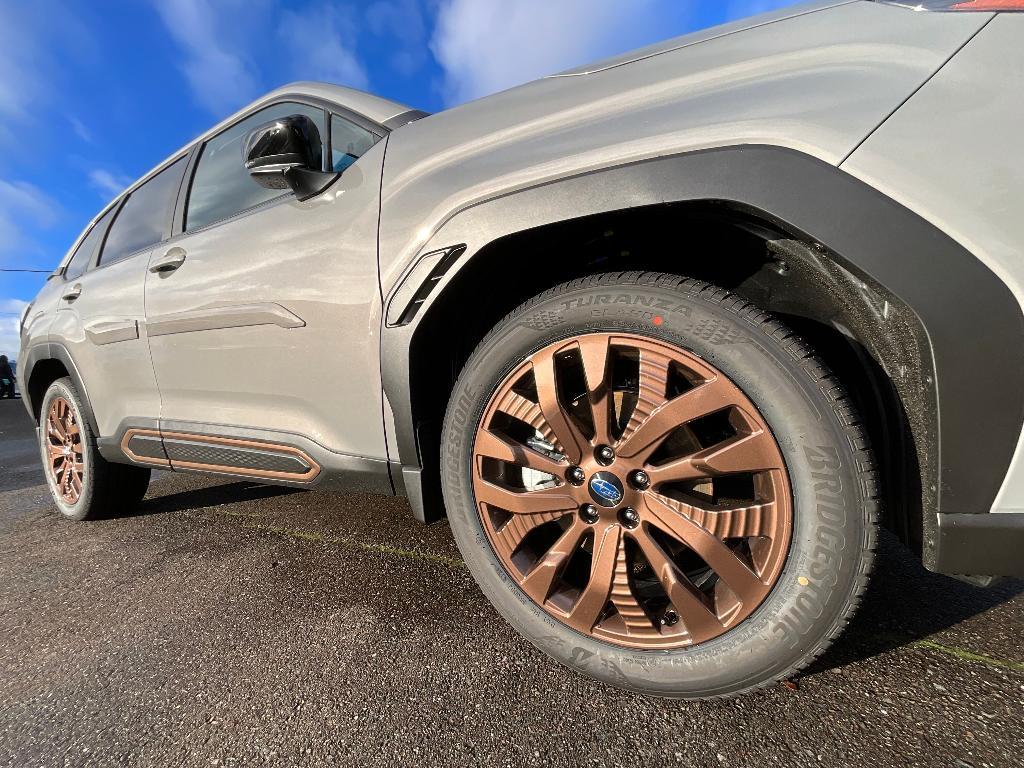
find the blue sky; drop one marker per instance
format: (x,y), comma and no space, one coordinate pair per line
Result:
(93,94)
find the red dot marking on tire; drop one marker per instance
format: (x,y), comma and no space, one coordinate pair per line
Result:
(657,320)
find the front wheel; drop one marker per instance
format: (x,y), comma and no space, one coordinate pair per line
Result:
(659,485)
(84,485)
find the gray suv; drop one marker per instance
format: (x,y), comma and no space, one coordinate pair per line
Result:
(665,337)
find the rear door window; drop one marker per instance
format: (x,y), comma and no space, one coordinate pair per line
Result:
(144,218)
(87,248)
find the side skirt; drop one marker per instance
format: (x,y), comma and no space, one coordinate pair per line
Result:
(274,458)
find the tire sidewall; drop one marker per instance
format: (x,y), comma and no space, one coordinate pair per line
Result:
(79,510)
(830,536)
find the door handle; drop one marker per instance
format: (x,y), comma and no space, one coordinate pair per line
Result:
(169,262)
(74,293)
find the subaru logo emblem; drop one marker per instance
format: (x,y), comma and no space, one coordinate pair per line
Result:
(605,489)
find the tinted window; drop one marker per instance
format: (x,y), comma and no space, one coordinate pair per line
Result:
(348,142)
(85,250)
(143,219)
(221,186)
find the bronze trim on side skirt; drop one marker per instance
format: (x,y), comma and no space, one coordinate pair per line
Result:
(180,446)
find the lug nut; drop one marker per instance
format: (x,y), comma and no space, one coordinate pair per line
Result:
(629,517)
(575,475)
(640,480)
(588,513)
(670,618)
(605,454)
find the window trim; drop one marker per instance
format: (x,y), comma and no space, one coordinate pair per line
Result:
(328,108)
(329,159)
(90,264)
(165,234)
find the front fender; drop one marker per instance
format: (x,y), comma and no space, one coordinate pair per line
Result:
(968,315)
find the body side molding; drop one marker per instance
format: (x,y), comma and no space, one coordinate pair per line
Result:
(223,316)
(112,331)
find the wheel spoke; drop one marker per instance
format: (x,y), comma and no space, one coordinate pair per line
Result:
(554,499)
(537,583)
(511,534)
(591,602)
(698,619)
(573,443)
(712,550)
(760,519)
(638,624)
(652,385)
(706,398)
(594,353)
(55,426)
(754,452)
(518,407)
(505,449)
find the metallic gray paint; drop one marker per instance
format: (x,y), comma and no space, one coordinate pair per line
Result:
(221,316)
(964,172)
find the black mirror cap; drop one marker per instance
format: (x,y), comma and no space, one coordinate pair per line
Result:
(286,154)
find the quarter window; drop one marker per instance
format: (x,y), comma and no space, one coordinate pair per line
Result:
(87,248)
(348,142)
(144,216)
(221,187)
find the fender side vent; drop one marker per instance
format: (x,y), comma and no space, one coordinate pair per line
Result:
(419,282)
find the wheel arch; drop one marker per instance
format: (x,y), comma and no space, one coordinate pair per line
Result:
(892,275)
(45,364)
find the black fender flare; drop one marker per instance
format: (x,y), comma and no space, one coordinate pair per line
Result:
(968,316)
(50,350)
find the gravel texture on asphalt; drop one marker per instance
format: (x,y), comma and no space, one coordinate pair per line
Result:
(234,624)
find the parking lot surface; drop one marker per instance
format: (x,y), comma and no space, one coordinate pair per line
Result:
(229,623)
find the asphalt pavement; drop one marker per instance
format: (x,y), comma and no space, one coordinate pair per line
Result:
(231,624)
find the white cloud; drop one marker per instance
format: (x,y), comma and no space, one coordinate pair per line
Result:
(20,67)
(12,306)
(107,183)
(10,342)
(23,204)
(212,38)
(37,41)
(488,45)
(321,44)
(80,130)
(10,314)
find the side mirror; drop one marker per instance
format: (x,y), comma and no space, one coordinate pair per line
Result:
(286,154)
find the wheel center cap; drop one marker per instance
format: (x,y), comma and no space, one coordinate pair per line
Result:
(605,489)
(67,450)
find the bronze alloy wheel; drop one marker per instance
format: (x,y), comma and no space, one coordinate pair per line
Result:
(632,491)
(64,450)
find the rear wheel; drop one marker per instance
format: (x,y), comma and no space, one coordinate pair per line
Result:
(659,485)
(84,485)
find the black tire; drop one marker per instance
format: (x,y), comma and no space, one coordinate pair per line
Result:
(831,472)
(108,489)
